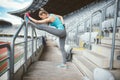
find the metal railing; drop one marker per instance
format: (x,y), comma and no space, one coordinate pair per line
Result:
(102,11)
(6,61)
(100,23)
(28,46)
(20,52)
(113,36)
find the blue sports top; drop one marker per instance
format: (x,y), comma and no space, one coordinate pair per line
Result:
(57,23)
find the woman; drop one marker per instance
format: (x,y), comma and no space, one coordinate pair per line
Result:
(55,27)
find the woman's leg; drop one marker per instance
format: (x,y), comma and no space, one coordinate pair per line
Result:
(54,31)
(62,48)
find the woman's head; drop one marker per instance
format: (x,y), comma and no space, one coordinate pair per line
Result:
(43,14)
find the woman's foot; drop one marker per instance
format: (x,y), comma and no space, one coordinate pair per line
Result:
(64,66)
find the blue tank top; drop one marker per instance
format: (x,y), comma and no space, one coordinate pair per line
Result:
(57,22)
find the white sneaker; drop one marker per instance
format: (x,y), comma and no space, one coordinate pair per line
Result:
(62,66)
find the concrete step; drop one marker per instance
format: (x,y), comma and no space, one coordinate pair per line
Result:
(87,67)
(84,65)
(116,36)
(45,70)
(108,41)
(105,50)
(99,60)
(116,73)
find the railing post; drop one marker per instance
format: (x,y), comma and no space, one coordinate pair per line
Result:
(76,36)
(11,72)
(100,25)
(12,51)
(11,63)
(90,32)
(100,34)
(32,44)
(25,46)
(35,38)
(113,35)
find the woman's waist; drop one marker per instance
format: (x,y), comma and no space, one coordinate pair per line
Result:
(60,26)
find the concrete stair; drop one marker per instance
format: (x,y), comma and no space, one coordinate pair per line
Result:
(108,41)
(117,36)
(88,61)
(45,70)
(84,65)
(105,50)
(100,60)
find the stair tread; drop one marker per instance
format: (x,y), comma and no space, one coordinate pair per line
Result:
(107,46)
(108,38)
(97,59)
(84,65)
(100,60)
(97,55)
(86,62)
(45,70)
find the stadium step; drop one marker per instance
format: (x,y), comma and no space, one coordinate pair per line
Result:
(84,65)
(108,41)
(99,60)
(116,73)
(45,70)
(87,66)
(105,50)
(117,36)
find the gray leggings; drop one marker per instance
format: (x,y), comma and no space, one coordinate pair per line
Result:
(59,33)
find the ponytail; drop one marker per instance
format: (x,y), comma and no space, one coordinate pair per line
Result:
(42,11)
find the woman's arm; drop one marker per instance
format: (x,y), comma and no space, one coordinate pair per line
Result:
(40,21)
(61,18)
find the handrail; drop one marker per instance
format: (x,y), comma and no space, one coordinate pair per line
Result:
(100,26)
(6,45)
(113,35)
(25,24)
(12,48)
(114,29)
(22,42)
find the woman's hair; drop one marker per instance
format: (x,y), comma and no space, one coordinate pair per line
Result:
(42,11)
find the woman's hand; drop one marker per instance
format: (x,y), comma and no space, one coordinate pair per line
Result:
(27,14)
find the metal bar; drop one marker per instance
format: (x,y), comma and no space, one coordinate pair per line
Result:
(9,61)
(35,36)
(4,72)
(76,35)
(4,59)
(15,36)
(4,45)
(100,26)
(85,26)
(12,50)
(11,74)
(25,46)
(22,42)
(90,33)
(113,35)
(103,14)
(32,35)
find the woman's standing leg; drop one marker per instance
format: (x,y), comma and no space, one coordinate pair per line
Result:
(62,48)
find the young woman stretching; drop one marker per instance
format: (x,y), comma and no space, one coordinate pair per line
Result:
(55,27)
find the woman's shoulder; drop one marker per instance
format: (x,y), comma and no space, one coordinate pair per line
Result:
(51,14)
